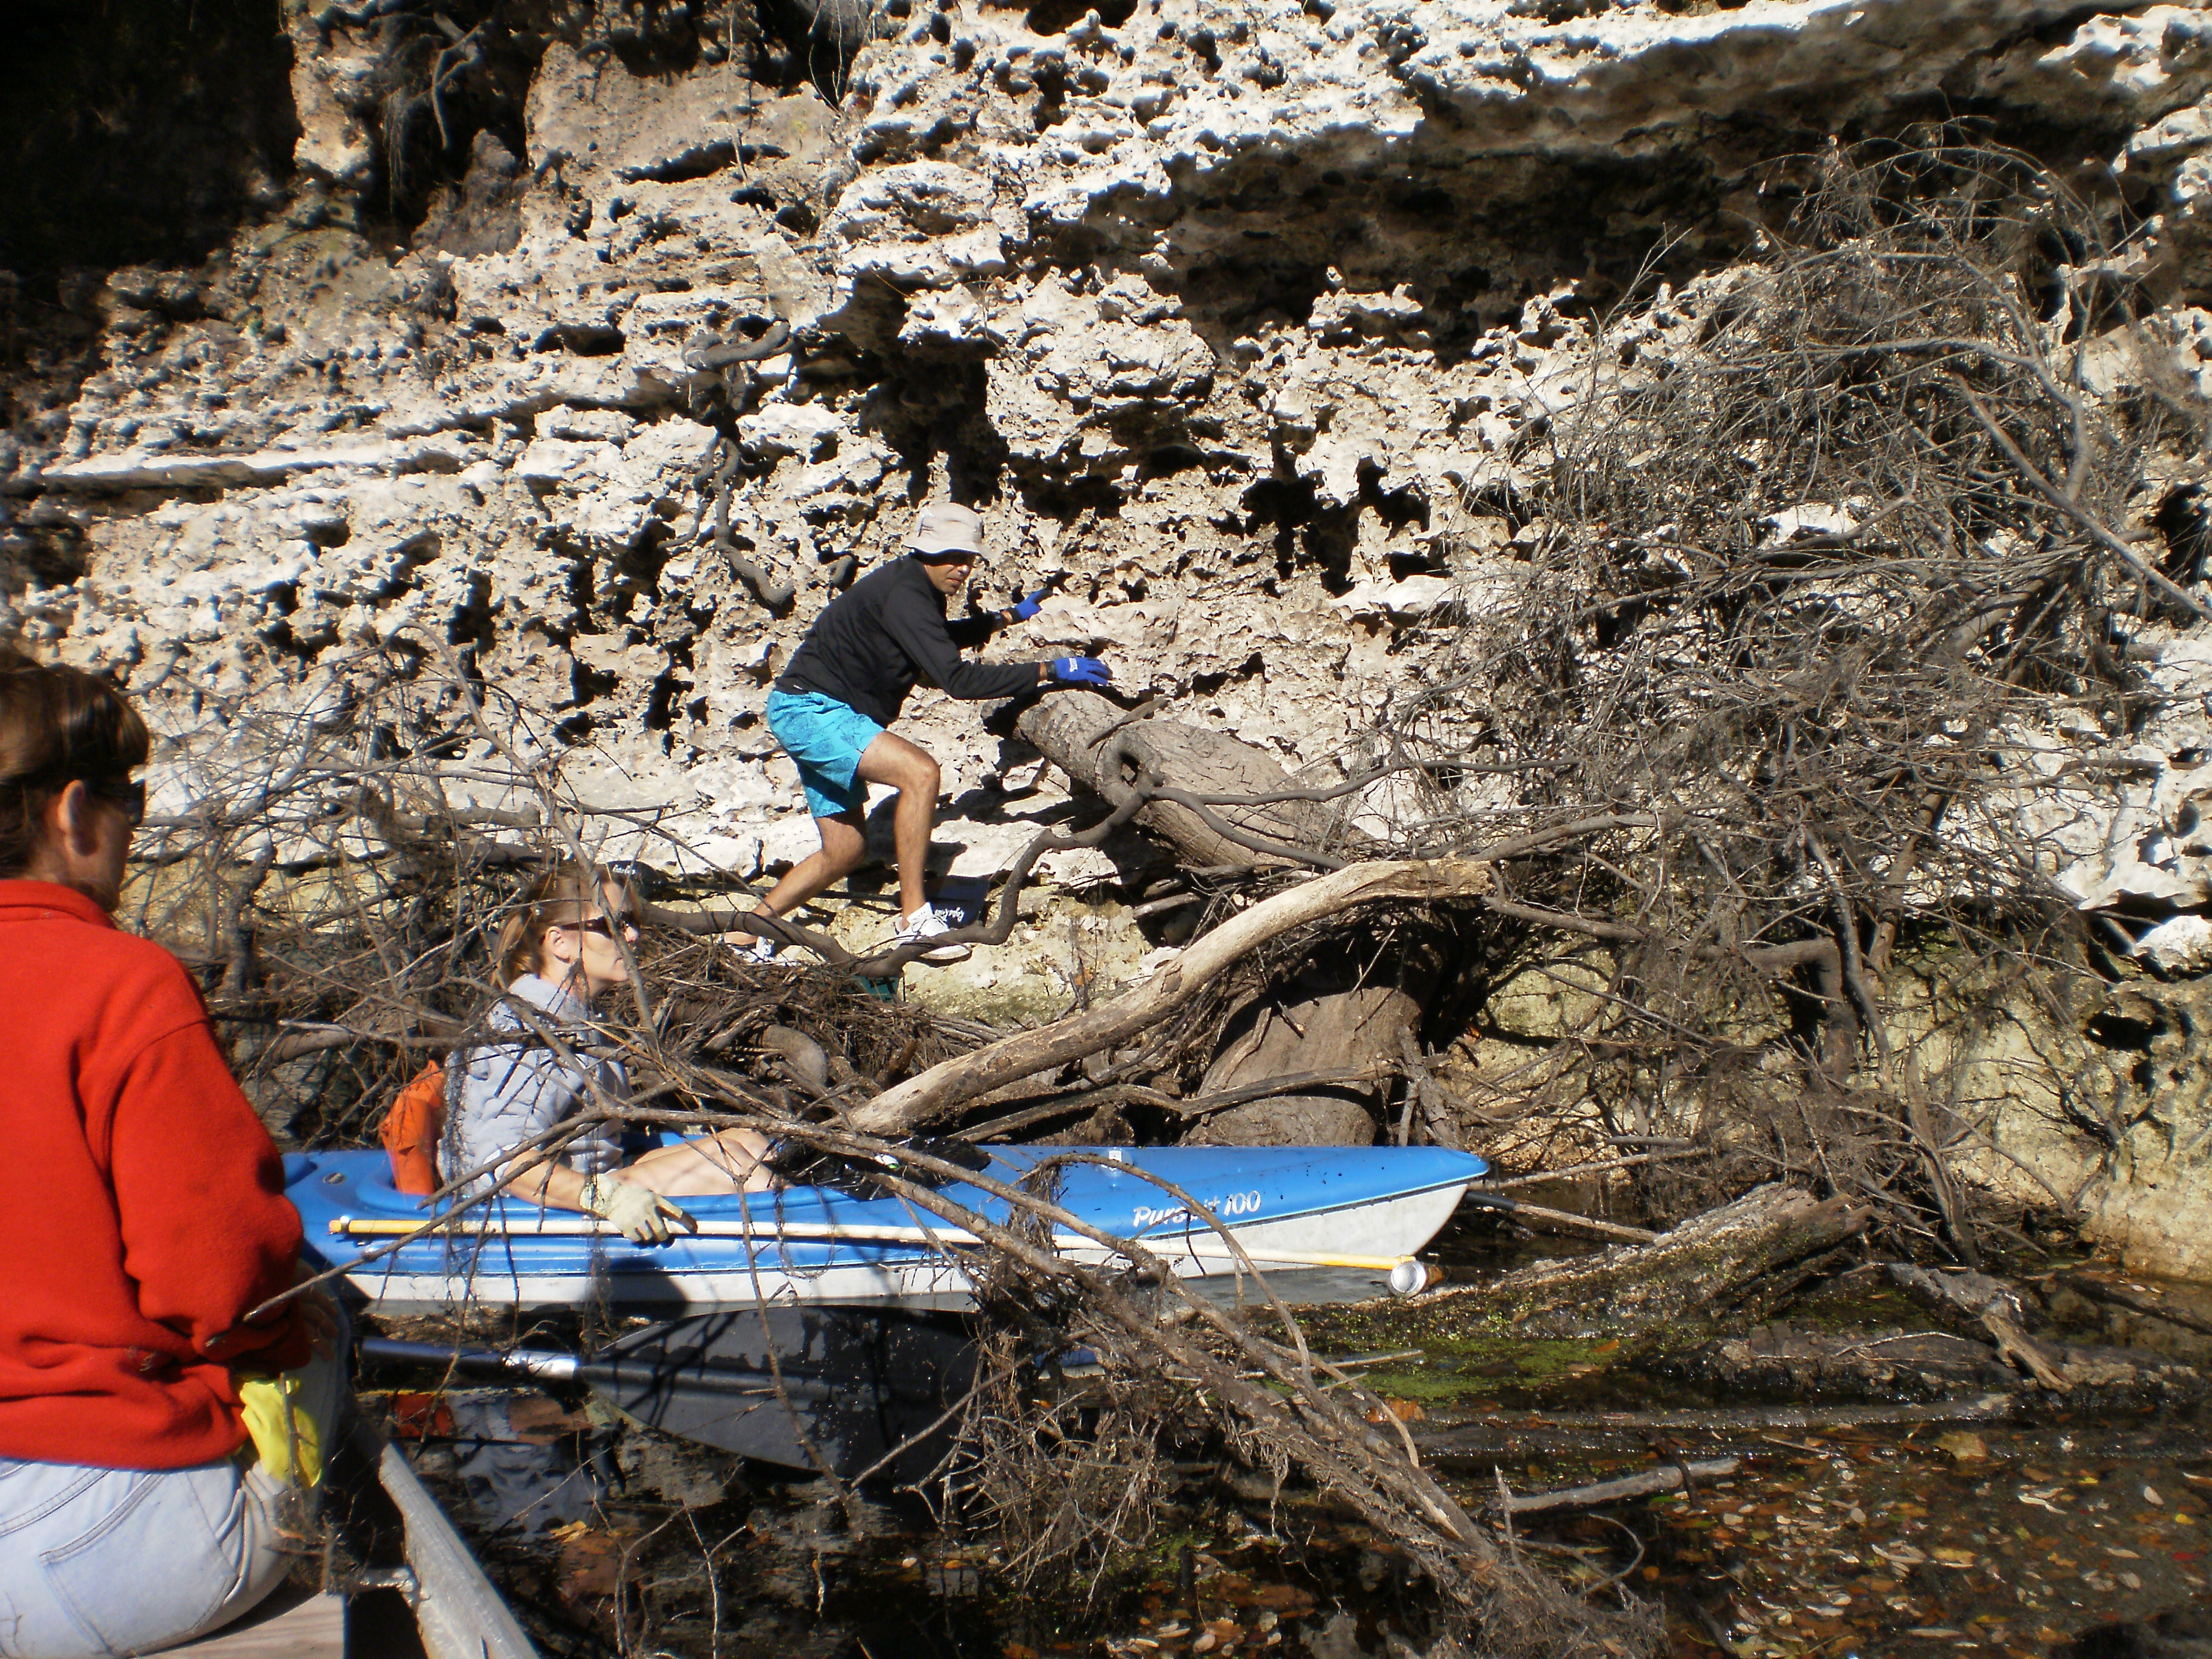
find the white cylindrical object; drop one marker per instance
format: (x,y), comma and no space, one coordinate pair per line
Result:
(1410,1278)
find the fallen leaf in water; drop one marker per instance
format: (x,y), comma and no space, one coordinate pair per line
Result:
(1206,1644)
(1964,1447)
(1404,1411)
(2151,1498)
(539,1419)
(1933,1630)
(1951,1557)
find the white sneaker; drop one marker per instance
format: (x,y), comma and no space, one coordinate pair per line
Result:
(925,923)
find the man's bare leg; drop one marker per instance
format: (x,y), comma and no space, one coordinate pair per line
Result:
(907,768)
(891,761)
(844,838)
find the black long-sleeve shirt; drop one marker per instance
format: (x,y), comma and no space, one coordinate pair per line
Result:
(874,641)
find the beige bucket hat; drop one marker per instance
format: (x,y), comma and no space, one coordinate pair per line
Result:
(946,528)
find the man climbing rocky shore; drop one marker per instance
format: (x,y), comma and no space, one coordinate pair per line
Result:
(852,675)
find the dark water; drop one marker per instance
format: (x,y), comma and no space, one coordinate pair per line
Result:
(1998,1538)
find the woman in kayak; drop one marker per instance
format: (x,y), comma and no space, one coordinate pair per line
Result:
(563,951)
(148,1429)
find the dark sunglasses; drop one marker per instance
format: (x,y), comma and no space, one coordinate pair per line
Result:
(599,925)
(121,794)
(961,557)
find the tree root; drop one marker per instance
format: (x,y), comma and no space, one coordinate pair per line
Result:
(775,596)
(719,351)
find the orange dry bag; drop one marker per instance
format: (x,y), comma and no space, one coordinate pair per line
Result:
(411,1129)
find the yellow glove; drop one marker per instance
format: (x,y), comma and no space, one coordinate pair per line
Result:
(288,1443)
(639,1213)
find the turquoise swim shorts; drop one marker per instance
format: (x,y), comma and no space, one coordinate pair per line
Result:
(826,739)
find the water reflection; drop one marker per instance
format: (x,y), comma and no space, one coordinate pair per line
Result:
(523,1463)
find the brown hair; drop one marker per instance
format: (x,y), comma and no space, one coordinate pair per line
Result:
(57,724)
(565,894)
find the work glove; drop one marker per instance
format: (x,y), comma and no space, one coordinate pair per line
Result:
(640,1214)
(288,1442)
(1080,671)
(1035,602)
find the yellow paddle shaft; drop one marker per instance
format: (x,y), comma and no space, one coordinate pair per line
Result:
(364,1227)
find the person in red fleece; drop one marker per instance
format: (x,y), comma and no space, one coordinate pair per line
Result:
(147,1220)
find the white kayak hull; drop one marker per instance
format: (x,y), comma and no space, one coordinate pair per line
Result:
(1285,1207)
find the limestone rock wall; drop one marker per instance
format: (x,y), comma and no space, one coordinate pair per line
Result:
(1245,314)
(1228,310)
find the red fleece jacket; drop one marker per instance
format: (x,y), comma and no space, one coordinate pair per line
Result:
(141,1204)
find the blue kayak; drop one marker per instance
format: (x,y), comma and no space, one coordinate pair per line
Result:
(1288,1207)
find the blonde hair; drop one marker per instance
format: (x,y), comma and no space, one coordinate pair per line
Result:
(564,894)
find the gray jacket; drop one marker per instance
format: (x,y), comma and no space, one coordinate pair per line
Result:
(500,1093)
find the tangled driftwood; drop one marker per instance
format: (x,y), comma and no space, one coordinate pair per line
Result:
(1689,1274)
(1027,1053)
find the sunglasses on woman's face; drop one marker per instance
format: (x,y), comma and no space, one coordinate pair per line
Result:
(599,925)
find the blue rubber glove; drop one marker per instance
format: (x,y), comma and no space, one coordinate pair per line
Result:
(1032,604)
(1081,671)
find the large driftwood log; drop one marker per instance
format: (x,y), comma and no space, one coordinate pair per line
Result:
(949,1083)
(1701,1267)
(1280,1031)
(1093,741)
(1322,1020)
